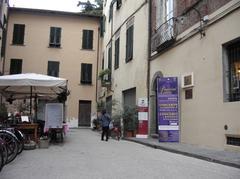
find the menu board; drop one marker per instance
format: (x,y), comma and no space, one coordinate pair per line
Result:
(54,115)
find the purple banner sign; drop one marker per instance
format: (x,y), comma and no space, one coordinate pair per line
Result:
(168,109)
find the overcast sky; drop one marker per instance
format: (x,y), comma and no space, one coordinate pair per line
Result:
(61,5)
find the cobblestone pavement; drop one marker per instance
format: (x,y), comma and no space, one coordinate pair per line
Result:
(84,155)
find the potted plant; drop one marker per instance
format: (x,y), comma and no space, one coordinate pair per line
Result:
(130,121)
(105,77)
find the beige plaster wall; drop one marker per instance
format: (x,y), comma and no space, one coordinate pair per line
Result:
(203,117)
(36,53)
(133,73)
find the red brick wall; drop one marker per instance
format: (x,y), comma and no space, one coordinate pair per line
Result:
(205,7)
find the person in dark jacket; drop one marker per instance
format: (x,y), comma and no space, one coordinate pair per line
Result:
(105,120)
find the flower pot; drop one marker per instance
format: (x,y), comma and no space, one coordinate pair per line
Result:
(131,133)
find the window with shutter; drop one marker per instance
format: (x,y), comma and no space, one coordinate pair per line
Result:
(55,37)
(129,45)
(103,63)
(117,51)
(86,73)
(18,34)
(53,68)
(109,62)
(16,66)
(87,39)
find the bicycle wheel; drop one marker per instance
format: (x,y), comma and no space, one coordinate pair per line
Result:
(1,157)
(11,143)
(20,137)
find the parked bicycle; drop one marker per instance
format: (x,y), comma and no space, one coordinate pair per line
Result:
(11,144)
(116,130)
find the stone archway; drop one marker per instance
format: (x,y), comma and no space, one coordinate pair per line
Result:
(153,103)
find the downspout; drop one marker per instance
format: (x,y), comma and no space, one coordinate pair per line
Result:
(111,8)
(148,63)
(96,95)
(149,48)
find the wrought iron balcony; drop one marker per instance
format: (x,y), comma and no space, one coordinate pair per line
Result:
(165,35)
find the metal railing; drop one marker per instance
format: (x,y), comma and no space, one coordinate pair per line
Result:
(165,35)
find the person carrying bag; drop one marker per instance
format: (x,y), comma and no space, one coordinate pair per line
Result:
(105,120)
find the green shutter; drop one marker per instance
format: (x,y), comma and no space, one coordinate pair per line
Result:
(18,34)
(86,73)
(16,66)
(117,45)
(129,45)
(87,40)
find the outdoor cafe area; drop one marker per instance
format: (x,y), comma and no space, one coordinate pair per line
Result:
(34,104)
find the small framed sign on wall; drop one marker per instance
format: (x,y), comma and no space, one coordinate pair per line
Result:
(187,80)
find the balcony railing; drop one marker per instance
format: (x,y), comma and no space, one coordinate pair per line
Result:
(165,35)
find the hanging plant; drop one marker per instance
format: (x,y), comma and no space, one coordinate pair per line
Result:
(62,97)
(103,73)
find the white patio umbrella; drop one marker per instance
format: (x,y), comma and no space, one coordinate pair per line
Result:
(21,86)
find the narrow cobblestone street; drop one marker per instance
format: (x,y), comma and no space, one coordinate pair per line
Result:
(84,155)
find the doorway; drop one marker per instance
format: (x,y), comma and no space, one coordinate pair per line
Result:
(153,104)
(84,114)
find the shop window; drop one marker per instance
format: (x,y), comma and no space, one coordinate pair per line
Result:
(232,71)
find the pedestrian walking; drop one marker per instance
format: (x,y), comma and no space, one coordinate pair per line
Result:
(105,120)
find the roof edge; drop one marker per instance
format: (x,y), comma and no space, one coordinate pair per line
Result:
(52,12)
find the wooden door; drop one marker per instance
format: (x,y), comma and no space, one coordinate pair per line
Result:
(84,115)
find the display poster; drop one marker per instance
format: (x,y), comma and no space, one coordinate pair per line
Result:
(142,118)
(54,115)
(168,109)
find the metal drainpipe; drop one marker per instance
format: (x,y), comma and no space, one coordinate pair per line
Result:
(97,65)
(148,63)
